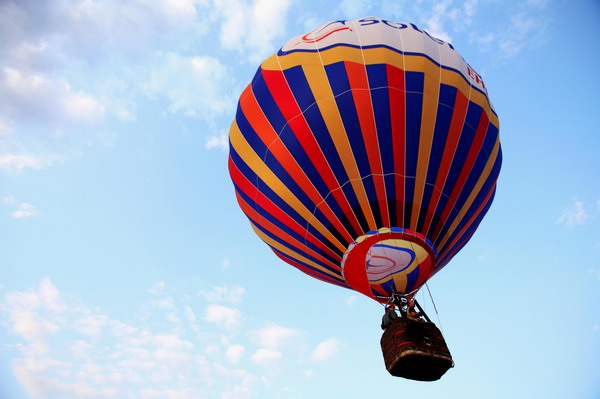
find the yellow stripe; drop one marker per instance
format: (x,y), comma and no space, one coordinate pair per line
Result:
(246,152)
(413,63)
(292,254)
(428,117)
(486,172)
(319,84)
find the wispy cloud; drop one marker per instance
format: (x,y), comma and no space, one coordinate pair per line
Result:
(230,294)
(594,272)
(576,214)
(18,162)
(222,316)
(220,142)
(63,348)
(276,336)
(267,357)
(251,27)
(25,210)
(325,350)
(193,85)
(20,210)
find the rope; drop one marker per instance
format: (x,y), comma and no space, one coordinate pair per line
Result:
(436,311)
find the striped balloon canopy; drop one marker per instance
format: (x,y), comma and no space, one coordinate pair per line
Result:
(365,153)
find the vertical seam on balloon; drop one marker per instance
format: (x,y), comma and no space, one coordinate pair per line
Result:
(382,211)
(403,179)
(355,183)
(446,176)
(424,151)
(470,161)
(318,200)
(280,188)
(268,206)
(308,221)
(491,161)
(340,186)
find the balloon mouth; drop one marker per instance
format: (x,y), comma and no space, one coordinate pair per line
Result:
(388,260)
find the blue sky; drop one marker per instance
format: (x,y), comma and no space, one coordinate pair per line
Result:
(128,271)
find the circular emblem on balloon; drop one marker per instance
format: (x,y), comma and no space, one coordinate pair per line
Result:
(395,260)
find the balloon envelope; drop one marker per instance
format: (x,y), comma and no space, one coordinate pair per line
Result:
(365,153)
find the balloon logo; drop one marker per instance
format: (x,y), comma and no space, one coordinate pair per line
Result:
(365,154)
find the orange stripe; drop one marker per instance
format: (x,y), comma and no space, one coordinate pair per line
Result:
(270,138)
(357,77)
(466,167)
(456,124)
(245,186)
(289,108)
(255,216)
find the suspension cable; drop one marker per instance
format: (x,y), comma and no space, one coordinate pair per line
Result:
(435,308)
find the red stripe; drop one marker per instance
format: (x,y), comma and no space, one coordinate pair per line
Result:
(288,106)
(311,272)
(357,77)
(474,150)
(300,246)
(456,124)
(244,185)
(396,91)
(460,236)
(404,343)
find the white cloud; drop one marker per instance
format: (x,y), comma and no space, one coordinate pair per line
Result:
(225,263)
(222,315)
(235,353)
(157,288)
(275,336)
(17,162)
(351,300)
(594,272)
(195,86)
(251,28)
(356,8)
(573,215)
(63,348)
(218,142)
(268,357)
(30,96)
(25,210)
(325,350)
(224,294)
(434,24)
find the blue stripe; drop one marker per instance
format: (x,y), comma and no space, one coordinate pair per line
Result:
(462,150)
(266,215)
(273,197)
(480,162)
(273,164)
(440,135)
(340,86)
(407,53)
(412,278)
(326,277)
(286,244)
(301,91)
(414,105)
(459,245)
(267,104)
(480,197)
(377,75)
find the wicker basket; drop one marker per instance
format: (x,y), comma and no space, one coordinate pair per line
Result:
(415,350)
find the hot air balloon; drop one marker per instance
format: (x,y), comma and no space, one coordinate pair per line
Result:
(365,154)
